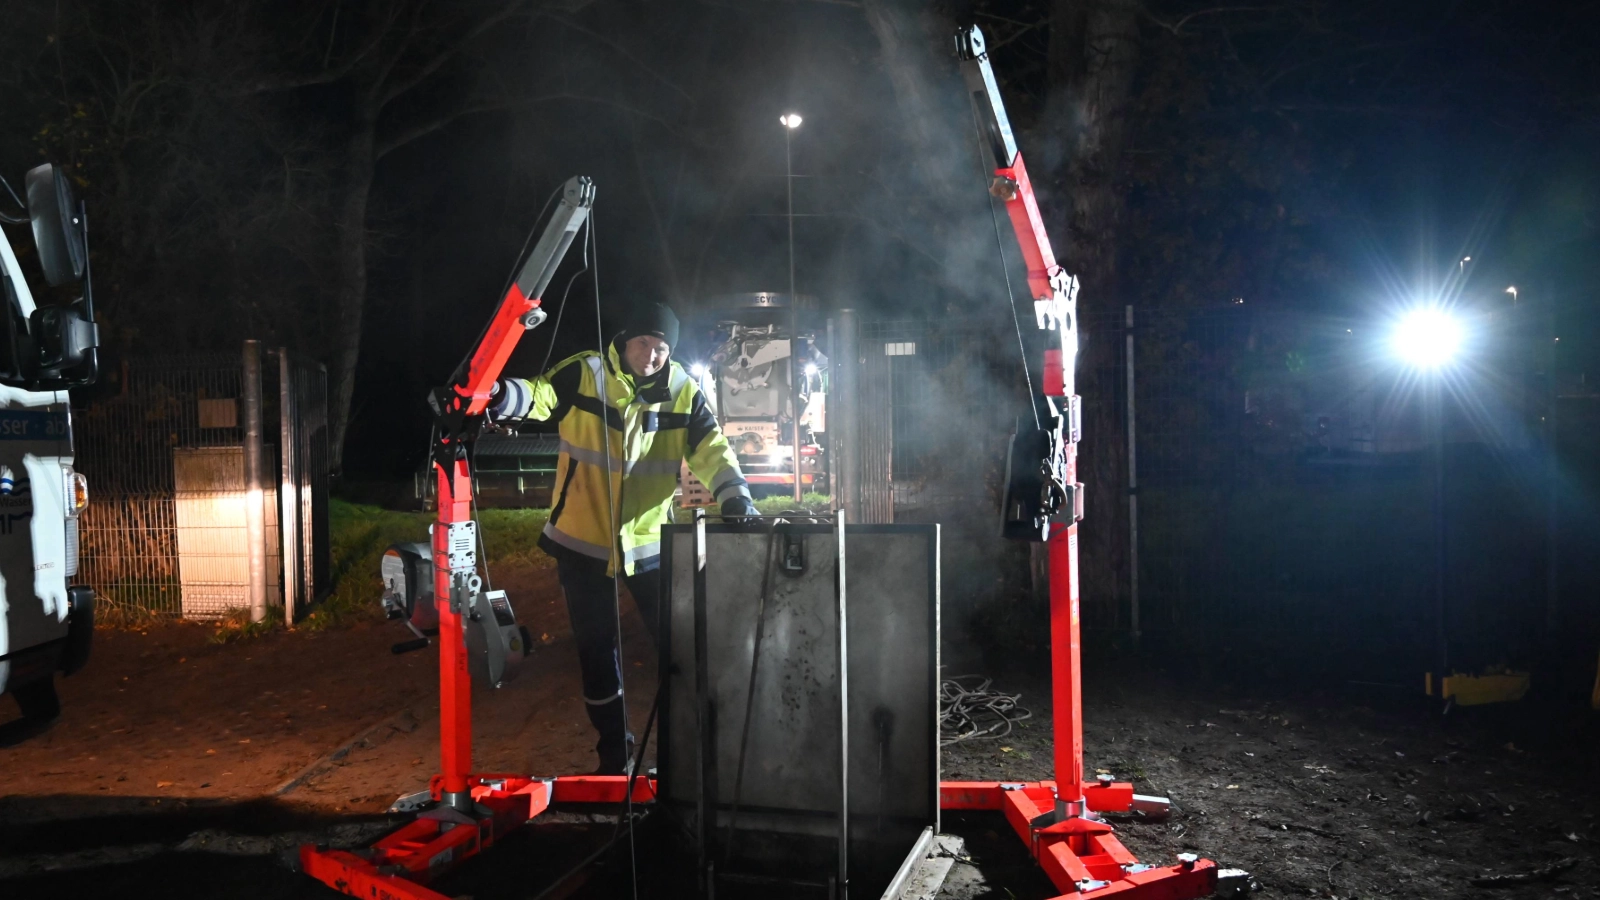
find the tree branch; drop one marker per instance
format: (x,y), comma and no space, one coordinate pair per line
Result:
(448,52)
(621,51)
(662,238)
(285,82)
(742,5)
(375,84)
(1176,27)
(423,129)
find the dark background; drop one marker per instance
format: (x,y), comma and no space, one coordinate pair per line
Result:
(353,180)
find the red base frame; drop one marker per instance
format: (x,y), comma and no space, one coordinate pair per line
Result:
(1081,856)
(399,866)
(1075,855)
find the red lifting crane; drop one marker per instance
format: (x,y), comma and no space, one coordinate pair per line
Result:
(1058,820)
(465,812)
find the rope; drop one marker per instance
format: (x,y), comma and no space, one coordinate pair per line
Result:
(561,310)
(1011,296)
(971,711)
(511,278)
(611,524)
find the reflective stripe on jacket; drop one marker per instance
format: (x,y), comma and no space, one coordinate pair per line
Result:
(653,426)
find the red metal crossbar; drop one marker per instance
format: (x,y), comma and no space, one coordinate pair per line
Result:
(402,864)
(1081,856)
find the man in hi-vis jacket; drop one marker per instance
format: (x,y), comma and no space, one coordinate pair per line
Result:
(633,414)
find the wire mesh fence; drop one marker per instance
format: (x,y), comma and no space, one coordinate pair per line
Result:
(167,532)
(955,389)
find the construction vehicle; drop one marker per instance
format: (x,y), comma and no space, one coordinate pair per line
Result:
(46,623)
(745,375)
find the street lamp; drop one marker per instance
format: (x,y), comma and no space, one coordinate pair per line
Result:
(1512,290)
(1429,339)
(790,122)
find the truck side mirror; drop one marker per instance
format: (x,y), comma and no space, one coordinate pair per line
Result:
(64,337)
(57,225)
(50,348)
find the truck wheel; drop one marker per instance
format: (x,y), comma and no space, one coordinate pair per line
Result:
(38,700)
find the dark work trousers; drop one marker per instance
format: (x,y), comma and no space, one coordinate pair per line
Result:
(592,607)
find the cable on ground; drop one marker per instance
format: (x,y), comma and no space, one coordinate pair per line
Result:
(969,710)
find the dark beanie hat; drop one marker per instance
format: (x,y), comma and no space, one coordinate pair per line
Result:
(650,318)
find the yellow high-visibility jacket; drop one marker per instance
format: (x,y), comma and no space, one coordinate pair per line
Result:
(654,424)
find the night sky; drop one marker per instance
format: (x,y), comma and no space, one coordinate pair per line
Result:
(1305,157)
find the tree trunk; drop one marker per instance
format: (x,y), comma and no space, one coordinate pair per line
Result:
(915,39)
(1093,55)
(351,293)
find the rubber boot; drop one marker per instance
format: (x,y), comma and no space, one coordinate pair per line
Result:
(615,746)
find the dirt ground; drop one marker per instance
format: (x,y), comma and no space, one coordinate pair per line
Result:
(200,766)
(1334,790)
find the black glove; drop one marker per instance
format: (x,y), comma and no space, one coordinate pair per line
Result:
(738,510)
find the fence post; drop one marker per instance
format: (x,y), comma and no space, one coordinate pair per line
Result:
(288,487)
(844,397)
(254,498)
(1133,490)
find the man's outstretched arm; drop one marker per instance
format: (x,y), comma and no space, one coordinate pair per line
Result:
(540,399)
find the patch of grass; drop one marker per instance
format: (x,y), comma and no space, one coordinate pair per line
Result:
(812,503)
(236,625)
(361,534)
(767,506)
(512,536)
(109,612)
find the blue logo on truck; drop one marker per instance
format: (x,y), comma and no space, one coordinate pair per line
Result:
(10,485)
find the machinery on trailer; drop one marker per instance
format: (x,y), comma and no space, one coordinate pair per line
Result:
(746,375)
(46,623)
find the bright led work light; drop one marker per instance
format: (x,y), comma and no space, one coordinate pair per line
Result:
(1427,338)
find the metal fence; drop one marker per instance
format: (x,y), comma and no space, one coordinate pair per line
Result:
(1281,493)
(938,401)
(303,467)
(167,530)
(954,390)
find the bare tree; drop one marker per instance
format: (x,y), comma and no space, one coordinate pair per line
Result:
(207,212)
(400,71)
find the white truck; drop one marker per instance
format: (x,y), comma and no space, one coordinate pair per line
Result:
(46,623)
